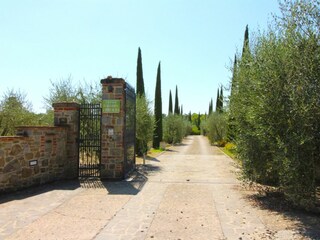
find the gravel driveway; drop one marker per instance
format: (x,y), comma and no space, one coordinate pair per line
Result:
(188,192)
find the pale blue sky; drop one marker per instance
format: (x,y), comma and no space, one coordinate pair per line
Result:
(195,40)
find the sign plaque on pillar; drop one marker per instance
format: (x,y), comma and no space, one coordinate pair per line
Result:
(111,106)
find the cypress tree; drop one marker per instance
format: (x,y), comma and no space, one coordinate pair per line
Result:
(181,110)
(199,121)
(170,103)
(217,101)
(221,100)
(140,93)
(157,136)
(140,83)
(190,117)
(246,41)
(176,104)
(234,71)
(231,132)
(210,107)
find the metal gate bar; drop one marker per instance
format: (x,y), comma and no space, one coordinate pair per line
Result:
(90,140)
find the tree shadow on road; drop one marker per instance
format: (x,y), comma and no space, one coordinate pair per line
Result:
(134,183)
(130,186)
(171,150)
(148,169)
(153,159)
(307,223)
(177,145)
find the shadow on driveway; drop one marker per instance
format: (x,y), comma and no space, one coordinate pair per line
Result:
(307,223)
(130,186)
(37,190)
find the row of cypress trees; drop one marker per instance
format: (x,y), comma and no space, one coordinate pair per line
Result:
(170,129)
(140,90)
(177,110)
(219,102)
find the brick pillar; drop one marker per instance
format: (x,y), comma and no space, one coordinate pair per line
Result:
(66,114)
(112,131)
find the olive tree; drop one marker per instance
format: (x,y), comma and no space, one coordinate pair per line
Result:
(274,105)
(15,110)
(144,125)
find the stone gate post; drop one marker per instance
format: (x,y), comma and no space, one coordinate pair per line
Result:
(113,128)
(66,114)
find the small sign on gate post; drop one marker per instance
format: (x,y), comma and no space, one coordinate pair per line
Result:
(111,106)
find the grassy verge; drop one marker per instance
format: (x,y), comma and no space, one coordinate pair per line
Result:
(155,152)
(230,153)
(230,150)
(152,153)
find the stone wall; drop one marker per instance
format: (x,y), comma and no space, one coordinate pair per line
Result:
(39,155)
(33,159)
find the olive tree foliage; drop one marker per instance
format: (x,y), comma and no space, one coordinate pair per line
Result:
(196,120)
(144,124)
(89,92)
(215,127)
(275,103)
(15,110)
(65,90)
(175,128)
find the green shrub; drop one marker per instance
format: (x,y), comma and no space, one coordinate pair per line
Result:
(144,125)
(215,128)
(230,149)
(221,143)
(175,128)
(195,130)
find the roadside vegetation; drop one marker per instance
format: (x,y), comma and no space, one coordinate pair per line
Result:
(16,110)
(274,112)
(271,121)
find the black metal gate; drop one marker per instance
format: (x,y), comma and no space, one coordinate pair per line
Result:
(90,140)
(130,129)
